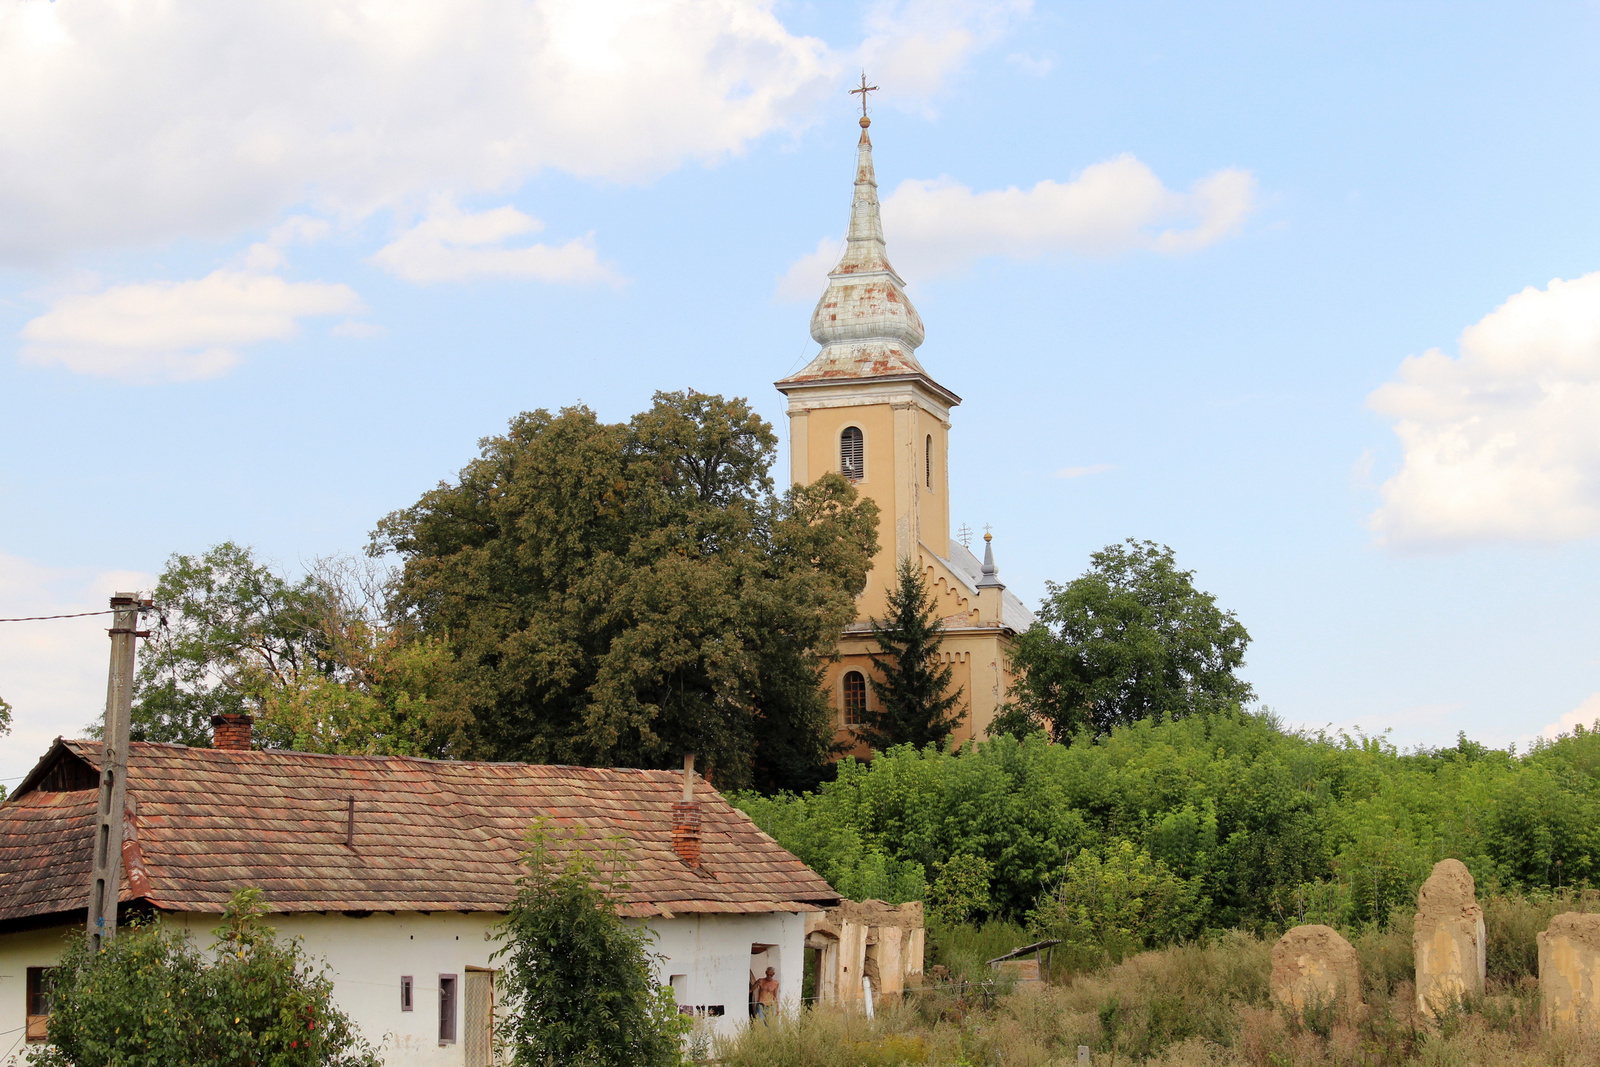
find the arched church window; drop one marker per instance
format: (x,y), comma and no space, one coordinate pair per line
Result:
(852,453)
(927,460)
(855,698)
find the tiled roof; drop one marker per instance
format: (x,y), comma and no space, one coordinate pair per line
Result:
(430,835)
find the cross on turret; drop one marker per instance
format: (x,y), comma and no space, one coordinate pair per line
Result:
(864,90)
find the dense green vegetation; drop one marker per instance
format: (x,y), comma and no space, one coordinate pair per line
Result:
(621,593)
(1131,638)
(152,998)
(1156,832)
(577,987)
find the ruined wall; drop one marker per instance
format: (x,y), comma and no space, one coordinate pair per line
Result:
(866,938)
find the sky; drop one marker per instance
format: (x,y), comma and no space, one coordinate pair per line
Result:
(1309,292)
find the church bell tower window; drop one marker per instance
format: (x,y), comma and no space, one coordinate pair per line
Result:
(852,454)
(855,698)
(927,460)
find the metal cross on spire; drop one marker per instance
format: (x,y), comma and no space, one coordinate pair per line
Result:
(864,90)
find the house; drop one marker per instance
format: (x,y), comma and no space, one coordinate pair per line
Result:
(867,408)
(394,871)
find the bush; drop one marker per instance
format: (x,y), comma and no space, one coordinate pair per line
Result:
(151,999)
(1118,903)
(579,987)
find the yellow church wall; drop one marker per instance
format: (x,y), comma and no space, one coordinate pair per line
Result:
(977,658)
(896,446)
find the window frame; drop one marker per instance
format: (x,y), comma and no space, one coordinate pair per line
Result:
(927,462)
(37,988)
(860,474)
(408,993)
(449,1008)
(845,689)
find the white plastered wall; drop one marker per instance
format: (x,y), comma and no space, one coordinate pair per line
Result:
(713,953)
(367,957)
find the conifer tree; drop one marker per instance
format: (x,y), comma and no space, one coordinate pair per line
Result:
(915,704)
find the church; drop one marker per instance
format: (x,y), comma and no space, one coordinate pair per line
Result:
(864,406)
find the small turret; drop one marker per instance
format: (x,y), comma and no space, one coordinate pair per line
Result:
(989,586)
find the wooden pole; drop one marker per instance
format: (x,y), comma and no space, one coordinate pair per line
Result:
(105,883)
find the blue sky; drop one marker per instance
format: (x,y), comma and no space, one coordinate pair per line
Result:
(268,272)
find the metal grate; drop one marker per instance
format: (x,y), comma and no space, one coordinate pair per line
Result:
(852,454)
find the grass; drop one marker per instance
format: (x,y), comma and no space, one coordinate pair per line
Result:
(1201,1005)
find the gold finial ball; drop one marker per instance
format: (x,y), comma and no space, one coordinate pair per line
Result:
(988,537)
(865,122)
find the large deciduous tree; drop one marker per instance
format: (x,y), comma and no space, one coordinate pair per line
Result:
(1130,639)
(317,661)
(619,593)
(916,704)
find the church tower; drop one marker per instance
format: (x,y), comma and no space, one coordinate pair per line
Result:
(864,406)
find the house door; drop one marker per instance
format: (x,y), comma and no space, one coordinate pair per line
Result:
(477,1038)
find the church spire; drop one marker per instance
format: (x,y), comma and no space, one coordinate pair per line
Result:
(865,322)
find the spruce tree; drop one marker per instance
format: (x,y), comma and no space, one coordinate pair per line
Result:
(915,704)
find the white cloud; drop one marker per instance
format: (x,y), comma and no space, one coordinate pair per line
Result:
(53,673)
(453,246)
(176,330)
(1503,442)
(136,121)
(1083,472)
(808,276)
(914,47)
(352,328)
(1586,715)
(1034,66)
(937,226)
(296,229)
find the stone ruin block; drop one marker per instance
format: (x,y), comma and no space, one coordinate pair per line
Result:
(1449,939)
(1569,971)
(1314,967)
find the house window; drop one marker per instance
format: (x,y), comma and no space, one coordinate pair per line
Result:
(405,993)
(852,454)
(447,1009)
(855,698)
(38,1009)
(927,460)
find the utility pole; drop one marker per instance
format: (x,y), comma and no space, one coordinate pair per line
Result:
(106,882)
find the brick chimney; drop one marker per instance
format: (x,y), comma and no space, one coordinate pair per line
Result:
(686,818)
(232,732)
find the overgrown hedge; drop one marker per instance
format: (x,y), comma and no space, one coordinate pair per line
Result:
(1246,823)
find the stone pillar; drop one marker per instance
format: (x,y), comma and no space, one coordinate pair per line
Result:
(1569,971)
(1449,940)
(1312,967)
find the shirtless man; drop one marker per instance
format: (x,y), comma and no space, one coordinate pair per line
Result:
(766,995)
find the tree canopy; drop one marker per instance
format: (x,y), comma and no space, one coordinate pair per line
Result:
(1130,639)
(318,662)
(620,593)
(1240,821)
(916,705)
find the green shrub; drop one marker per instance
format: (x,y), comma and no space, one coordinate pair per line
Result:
(579,987)
(152,999)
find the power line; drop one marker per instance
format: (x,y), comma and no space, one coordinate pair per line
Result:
(41,618)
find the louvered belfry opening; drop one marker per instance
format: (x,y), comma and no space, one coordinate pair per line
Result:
(852,454)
